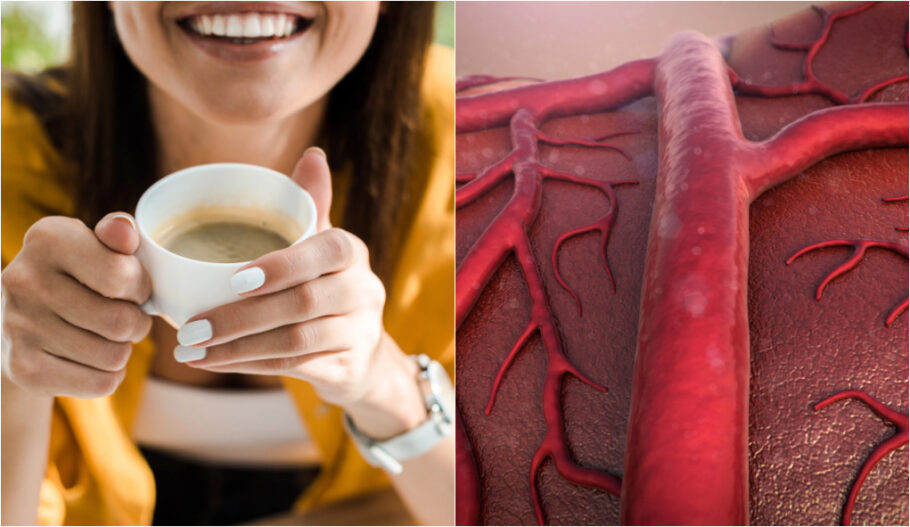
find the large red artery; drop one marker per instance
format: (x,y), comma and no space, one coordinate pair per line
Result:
(633,344)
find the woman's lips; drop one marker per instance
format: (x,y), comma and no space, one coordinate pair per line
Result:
(243,37)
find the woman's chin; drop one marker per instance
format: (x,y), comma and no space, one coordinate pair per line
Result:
(243,115)
(246,109)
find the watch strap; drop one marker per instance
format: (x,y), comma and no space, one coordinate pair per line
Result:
(390,452)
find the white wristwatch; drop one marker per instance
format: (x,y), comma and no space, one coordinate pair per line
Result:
(439,397)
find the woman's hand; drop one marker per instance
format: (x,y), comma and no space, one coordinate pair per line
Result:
(71,307)
(313,311)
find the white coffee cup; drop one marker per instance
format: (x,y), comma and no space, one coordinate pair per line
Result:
(183,287)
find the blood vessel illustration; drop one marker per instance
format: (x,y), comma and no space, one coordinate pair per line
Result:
(859,250)
(886,447)
(666,370)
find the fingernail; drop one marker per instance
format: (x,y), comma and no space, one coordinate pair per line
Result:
(247,280)
(195,332)
(315,150)
(185,354)
(125,217)
(149,308)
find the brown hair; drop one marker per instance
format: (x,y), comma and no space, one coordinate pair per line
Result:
(101,124)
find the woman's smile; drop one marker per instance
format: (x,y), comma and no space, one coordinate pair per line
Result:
(246,28)
(245,31)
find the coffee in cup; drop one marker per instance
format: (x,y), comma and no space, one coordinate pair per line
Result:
(227,235)
(199,226)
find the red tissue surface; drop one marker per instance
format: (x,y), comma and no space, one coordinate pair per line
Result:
(632,343)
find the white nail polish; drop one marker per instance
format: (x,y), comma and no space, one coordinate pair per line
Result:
(149,308)
(195,332)
(185,354)
(126,217)
(316,150)
(247,280)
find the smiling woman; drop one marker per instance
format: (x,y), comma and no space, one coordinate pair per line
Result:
(284,398)
(310,48)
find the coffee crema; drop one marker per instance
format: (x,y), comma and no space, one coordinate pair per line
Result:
(227,235)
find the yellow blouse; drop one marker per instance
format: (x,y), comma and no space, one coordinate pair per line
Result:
(95,473)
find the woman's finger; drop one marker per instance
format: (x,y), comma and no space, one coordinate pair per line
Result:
(327,252)
(117,231)
(46,374)
(83,347)
(115,320)
(333,294)
(76,380)
(282,348)
(312,174)
(69,245)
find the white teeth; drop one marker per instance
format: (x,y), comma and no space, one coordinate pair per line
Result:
(251,26)
(219,25)
(206,24)
(234,26)
(267,26)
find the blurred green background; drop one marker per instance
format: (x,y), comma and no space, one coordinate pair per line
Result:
(36,34)
(444,32)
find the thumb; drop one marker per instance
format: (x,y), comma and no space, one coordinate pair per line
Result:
(312,174)
(118,232)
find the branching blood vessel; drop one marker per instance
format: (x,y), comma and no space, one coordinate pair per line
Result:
(686,445)
(889,445)
(859,250)
(508,234)
(812,84)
